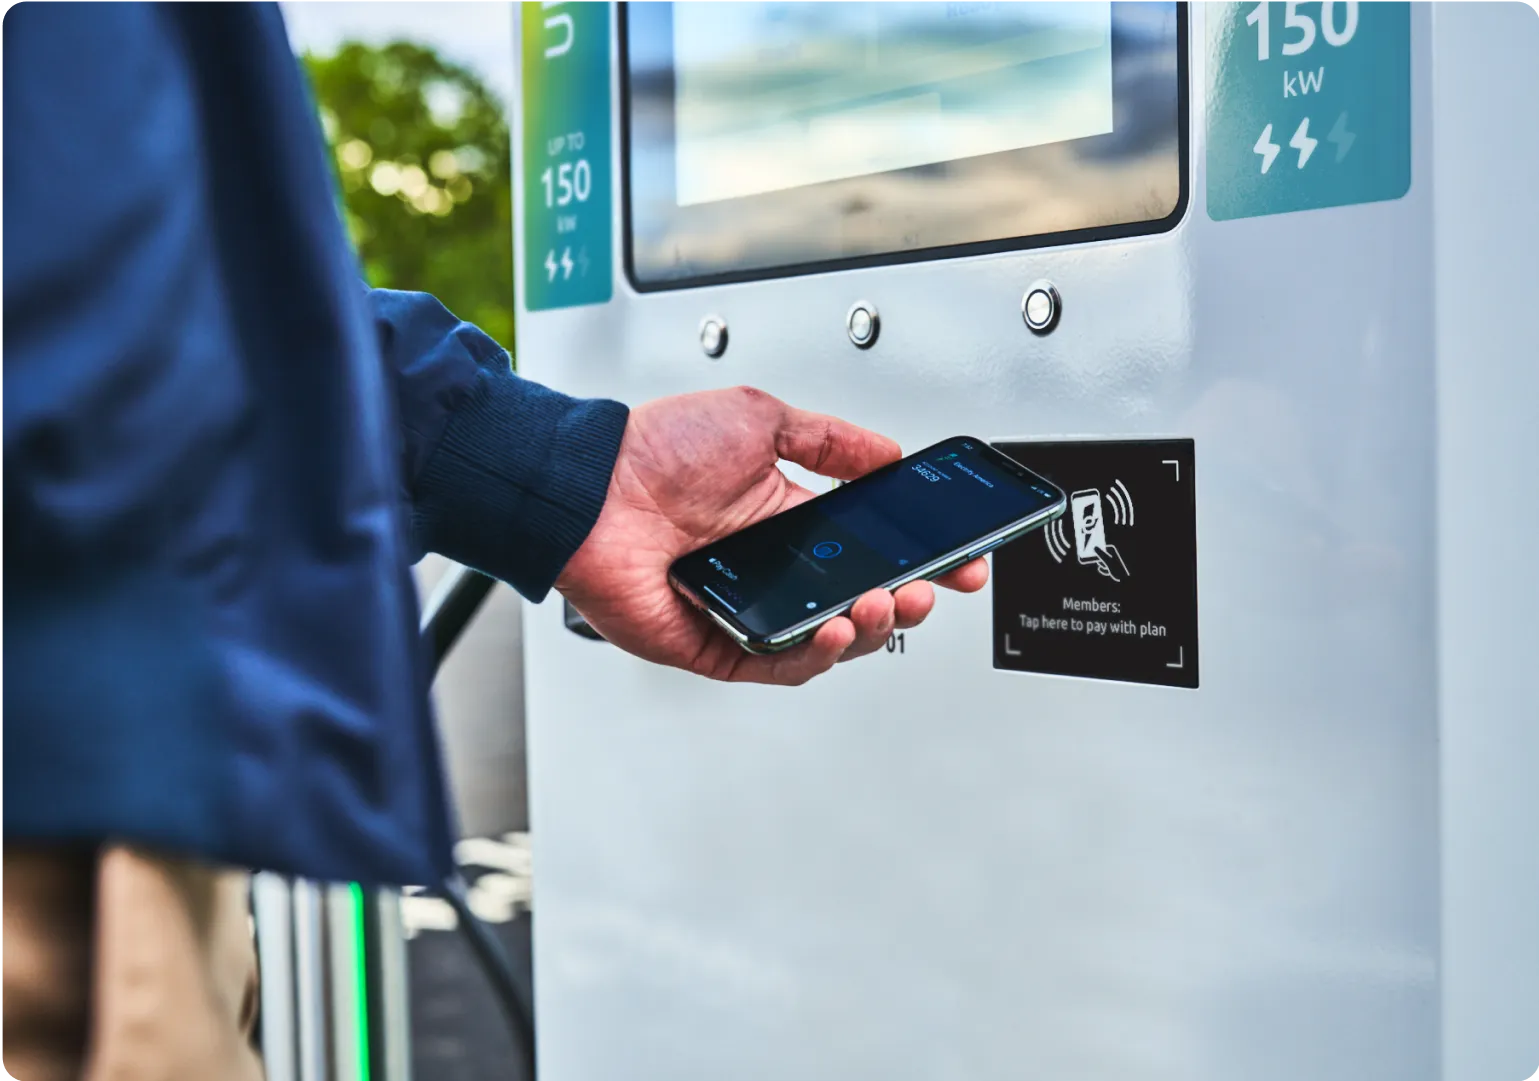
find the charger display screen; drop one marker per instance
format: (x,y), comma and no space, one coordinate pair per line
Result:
(763,139)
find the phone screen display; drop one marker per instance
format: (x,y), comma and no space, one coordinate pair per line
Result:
(823,554)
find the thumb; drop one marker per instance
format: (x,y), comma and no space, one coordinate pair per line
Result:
(831,447)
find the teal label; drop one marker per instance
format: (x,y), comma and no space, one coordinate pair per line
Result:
(568,197)
(1309,105)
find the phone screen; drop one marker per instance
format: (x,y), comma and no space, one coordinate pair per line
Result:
(821,555)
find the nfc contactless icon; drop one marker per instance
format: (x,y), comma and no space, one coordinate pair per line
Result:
(1089,545)
(827,549)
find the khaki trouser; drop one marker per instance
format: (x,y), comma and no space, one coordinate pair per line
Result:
(121,965)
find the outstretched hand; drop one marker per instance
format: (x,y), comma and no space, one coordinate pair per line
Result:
(695,468)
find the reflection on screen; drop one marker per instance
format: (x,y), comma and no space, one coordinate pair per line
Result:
(780,137)
(861,536)
(775,95)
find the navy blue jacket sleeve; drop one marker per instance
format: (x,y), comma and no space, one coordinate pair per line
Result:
(211,631)
(501,474)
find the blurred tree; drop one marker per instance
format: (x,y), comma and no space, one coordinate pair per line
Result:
(421,149)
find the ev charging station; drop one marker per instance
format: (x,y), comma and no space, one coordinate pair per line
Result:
(1253,281)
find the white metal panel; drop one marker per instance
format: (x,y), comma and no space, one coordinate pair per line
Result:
(310,1004)
(272,909)
(1487,172)
(921,867)
(394,989)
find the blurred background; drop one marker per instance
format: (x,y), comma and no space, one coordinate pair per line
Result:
(414,99)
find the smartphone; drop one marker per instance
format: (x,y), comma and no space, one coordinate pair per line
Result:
(1089,526)
(772,585)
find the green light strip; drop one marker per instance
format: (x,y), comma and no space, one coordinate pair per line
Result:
(360,958)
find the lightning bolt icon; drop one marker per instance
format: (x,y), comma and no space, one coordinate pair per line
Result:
(566,260)
(1341,137)
(1266,148)
(1302,142)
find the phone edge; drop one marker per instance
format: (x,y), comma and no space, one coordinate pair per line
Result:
(934,569)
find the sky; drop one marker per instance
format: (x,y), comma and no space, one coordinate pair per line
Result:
(476,35)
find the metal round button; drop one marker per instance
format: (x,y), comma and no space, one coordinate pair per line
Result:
(713,336)
(1041,307)
(863,324)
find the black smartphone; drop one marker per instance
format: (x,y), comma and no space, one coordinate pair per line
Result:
(773,584)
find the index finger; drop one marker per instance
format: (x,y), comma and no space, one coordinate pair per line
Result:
(831,447)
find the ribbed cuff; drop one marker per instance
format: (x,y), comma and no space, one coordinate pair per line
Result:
(518,480)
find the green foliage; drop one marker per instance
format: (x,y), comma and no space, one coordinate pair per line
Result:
(421,149)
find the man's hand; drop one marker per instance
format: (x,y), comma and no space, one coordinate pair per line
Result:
(693,469)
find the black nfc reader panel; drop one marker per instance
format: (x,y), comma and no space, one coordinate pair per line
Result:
(1109,590)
